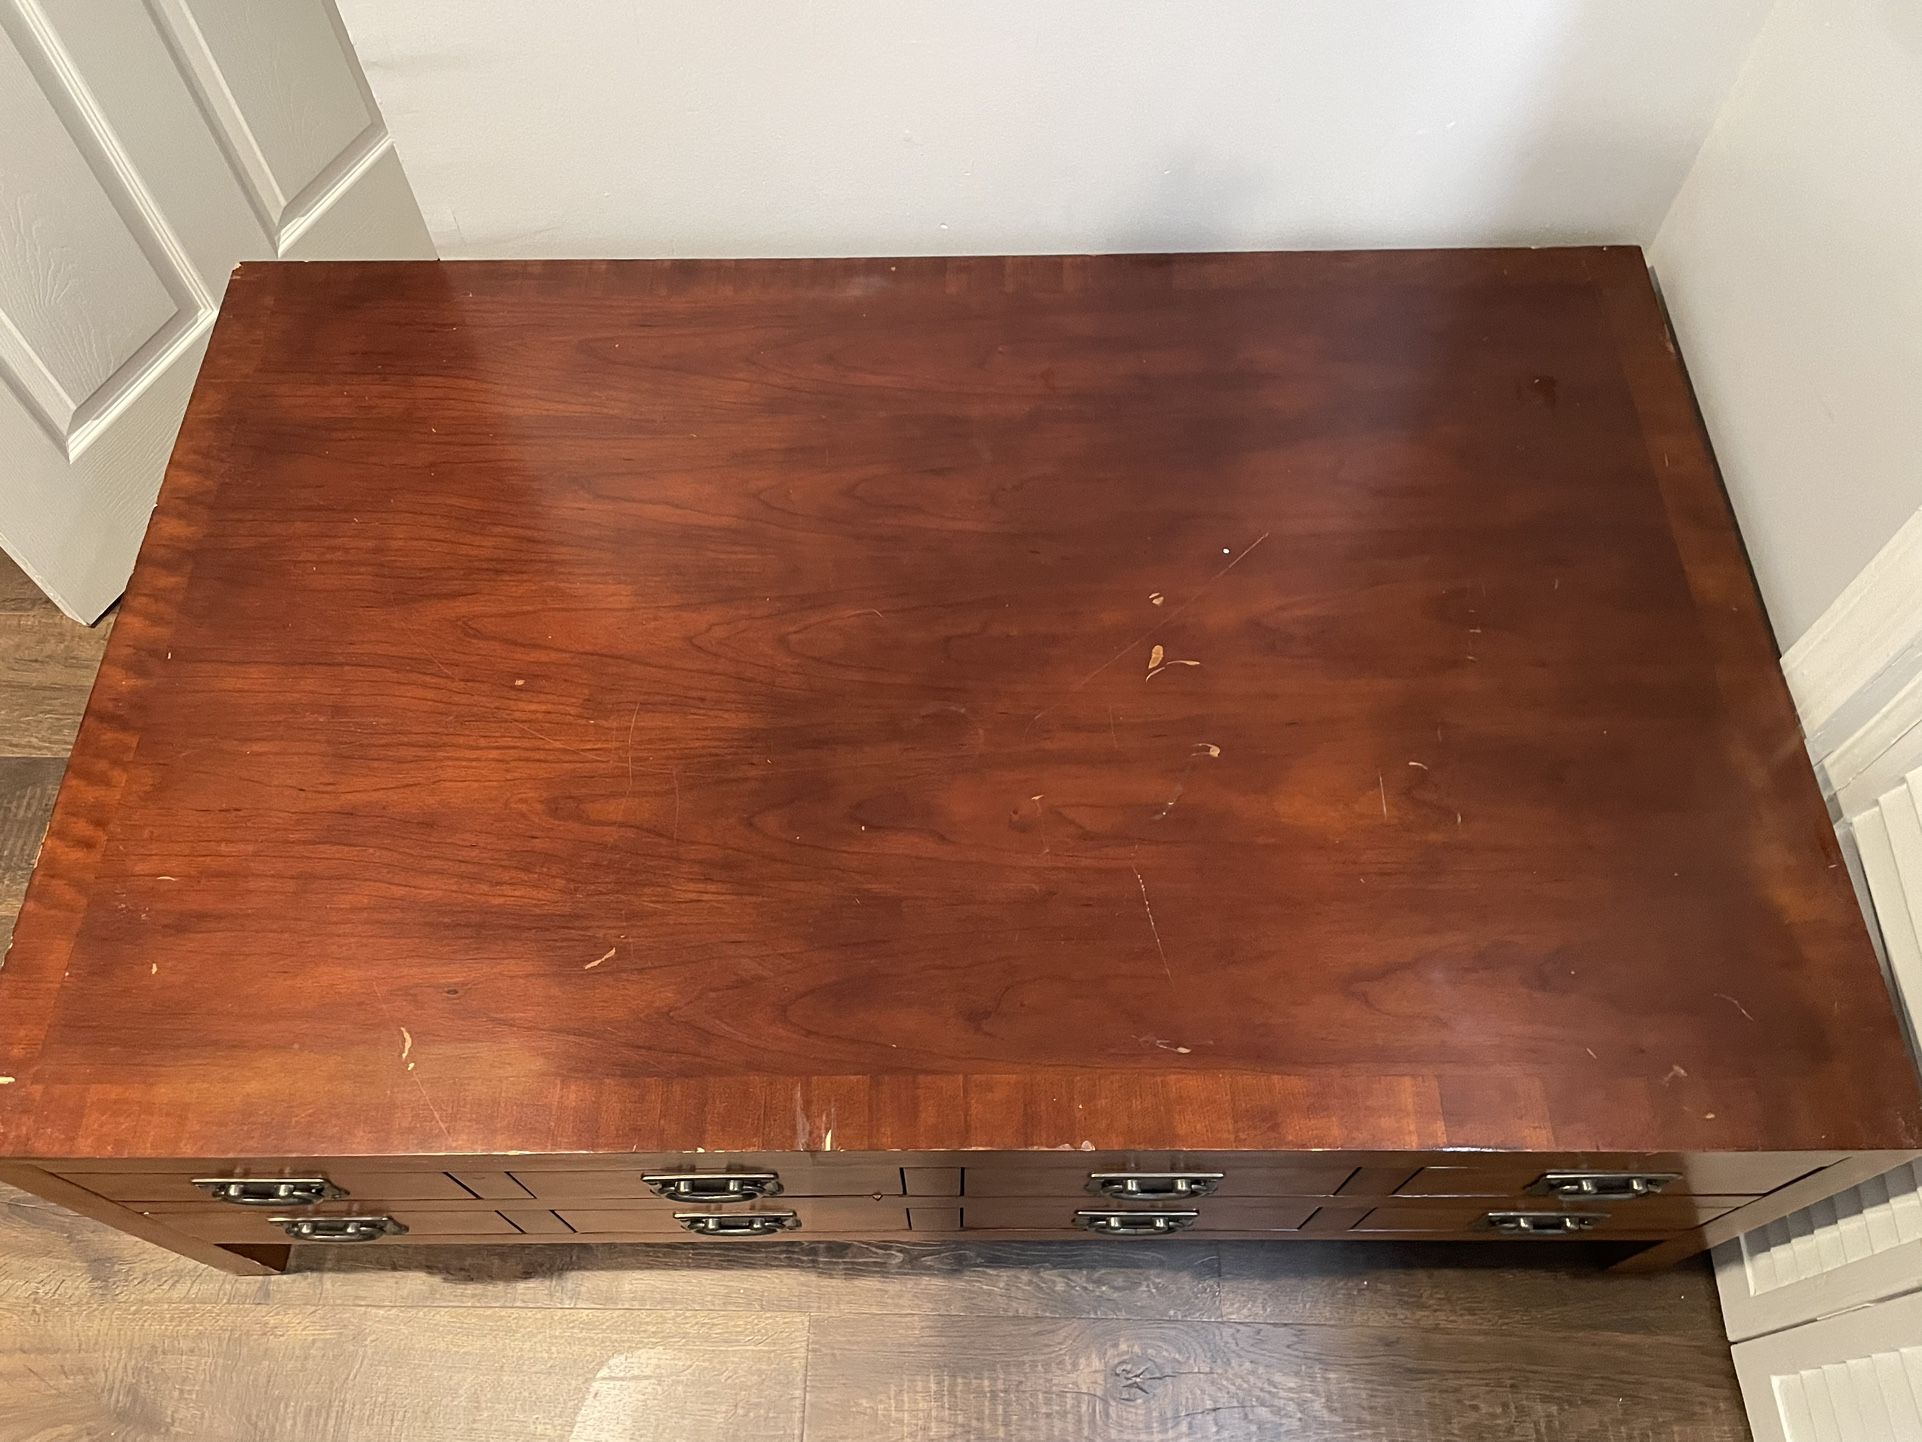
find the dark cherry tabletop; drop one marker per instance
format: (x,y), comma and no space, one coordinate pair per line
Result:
(1279,701)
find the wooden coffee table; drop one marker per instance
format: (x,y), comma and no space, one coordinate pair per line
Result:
(1261,745)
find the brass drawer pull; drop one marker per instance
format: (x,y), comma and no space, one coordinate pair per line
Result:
(270,1191)
(1135,1224)
(1544,1224)
(339,1229)
(714,1186)
(738,1224)
(1153,1186)
(1603,1186)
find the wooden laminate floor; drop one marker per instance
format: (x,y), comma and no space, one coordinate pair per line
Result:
(102,1337)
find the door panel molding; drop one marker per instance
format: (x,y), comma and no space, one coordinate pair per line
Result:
(74,415)
(291,167)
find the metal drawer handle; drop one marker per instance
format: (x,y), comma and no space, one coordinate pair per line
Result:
(1603,1186)
(1545,1224)
(1135,1224)
(714,1186)
(339,1229)
(270,1191)
(738,1224)
(1153,1186)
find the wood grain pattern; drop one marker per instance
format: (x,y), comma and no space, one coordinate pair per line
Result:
(1466,1288)
(594,706)
(326,1373)
(944,1379)
(123,1297)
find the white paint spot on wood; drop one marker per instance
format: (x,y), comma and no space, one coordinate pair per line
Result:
(607,956)
(1157,599)
(1205,748)
(406,1043)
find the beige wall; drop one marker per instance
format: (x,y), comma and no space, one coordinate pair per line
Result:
(1792,264)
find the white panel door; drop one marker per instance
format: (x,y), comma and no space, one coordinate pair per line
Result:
(1825,1306)
(1856,1377)
(145,150)
(1860,1247)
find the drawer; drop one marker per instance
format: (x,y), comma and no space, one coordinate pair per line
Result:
(795,1180)
(1652,1216)
(1064,1214)
(232,1225)
(408,1185)
(1156,1178)
(1732,1175)
(363,1183)
(860,1216)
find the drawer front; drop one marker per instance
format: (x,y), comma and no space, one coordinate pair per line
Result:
(629,1183)
(234,1225)
(1157,1178)
(1066,1215)
(1731,1175)
(824,1215)
(858,1216)
(1650,1216)
(358,1182)
(371,1183)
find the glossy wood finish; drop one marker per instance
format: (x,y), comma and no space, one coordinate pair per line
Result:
(1268,702)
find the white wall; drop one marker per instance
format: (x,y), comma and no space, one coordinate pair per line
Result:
(689,127)
(1792,264)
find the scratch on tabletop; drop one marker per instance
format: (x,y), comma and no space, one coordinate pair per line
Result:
(407,1045)
(1736,1004)
(1165,666)
(1160,950)
(1246,551)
